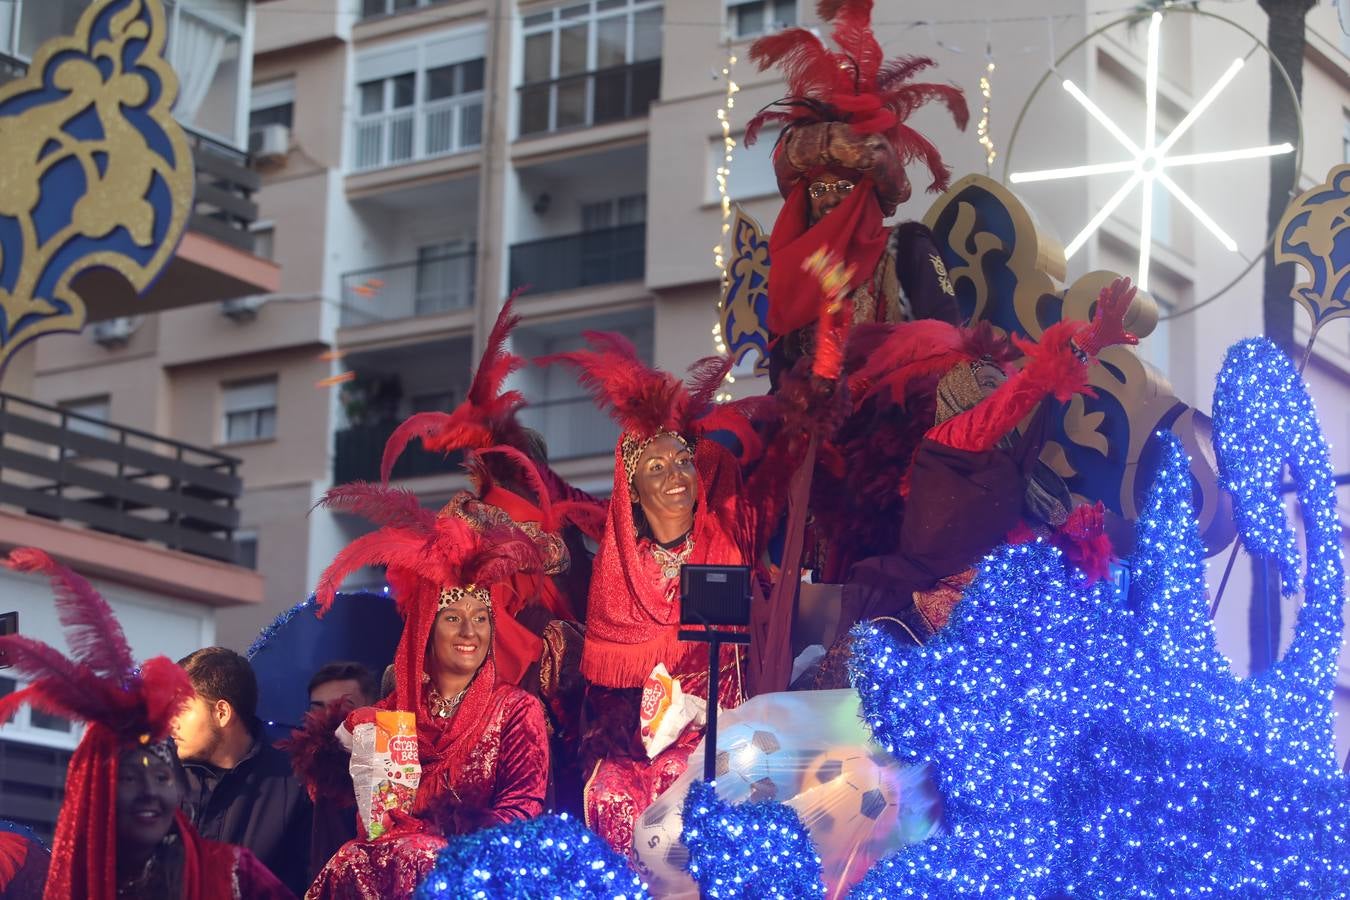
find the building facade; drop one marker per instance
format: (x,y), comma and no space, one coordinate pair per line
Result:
(94,478)
(421,160)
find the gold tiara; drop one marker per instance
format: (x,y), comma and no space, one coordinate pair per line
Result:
(632,450)
(460,593)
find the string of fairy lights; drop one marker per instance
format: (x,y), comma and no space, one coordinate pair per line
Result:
(723,173)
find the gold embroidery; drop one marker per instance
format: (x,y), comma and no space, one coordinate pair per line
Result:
(944,282)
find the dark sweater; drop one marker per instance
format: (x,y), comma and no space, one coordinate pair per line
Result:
(258,805)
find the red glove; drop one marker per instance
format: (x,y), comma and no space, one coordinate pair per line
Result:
(1108,324)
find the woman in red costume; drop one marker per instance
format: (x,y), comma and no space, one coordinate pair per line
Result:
(120,832)
(677,499)
(482,742)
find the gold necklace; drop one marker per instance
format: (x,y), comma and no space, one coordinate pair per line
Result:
(669,561)
(439,706)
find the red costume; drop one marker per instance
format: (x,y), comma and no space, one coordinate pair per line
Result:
(486,762)
(125,707)
(633,616)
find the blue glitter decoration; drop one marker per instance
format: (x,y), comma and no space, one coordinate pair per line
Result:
(551,856)
(1087,747)
(748,850)
(269,631)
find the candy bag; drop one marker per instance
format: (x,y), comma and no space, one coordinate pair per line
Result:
(666,711)
(385,768)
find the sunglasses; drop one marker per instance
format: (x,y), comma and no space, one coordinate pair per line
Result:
(819,189)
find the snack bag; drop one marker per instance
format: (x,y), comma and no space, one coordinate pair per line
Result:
(385,768)
(666,711)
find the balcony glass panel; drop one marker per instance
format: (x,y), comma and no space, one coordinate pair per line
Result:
(603,256)
(572,428)
(438,282)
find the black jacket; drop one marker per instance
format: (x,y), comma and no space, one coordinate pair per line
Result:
(259,805)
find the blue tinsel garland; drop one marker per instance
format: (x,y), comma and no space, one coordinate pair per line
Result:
(748,851)
(548,857)
(1089,749)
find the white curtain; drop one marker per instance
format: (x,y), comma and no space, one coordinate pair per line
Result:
(195,50)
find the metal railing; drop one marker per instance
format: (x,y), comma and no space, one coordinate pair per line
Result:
(357,452)
(11,67)
(429,286)
(572,428)
(602,256)
(60,465)
(371,9)
(223,206)
(591,98)
(425,131)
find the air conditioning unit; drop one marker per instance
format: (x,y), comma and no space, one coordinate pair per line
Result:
(115,332)
(242,309)
(269,143)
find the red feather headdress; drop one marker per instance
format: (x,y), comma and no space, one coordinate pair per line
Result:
(125,706)
(647,402)
(855,84)
(487,416)
(423,552)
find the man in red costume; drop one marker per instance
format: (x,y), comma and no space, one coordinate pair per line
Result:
(840,163)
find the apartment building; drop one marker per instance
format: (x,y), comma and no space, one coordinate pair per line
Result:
(420,160)
(94,477)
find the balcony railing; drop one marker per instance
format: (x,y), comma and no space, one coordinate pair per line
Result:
(223,207)
(592,98)
(602,256)
(60,465)
(11,67)
(572,428)
(431,129)
(374,8)
(428,287)
(357,452)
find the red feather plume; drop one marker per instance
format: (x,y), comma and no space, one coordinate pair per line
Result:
(101,684)
(486,417)
(854,84)
(395,507)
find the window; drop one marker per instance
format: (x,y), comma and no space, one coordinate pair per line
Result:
(748,18)
(445,277)
(34,726)
(630,210)
(590,63)
(206,49)
(246,549)
(250,410)
(421,100)
(438,401)
(371,8)
(99,407)
(751,172)
(264,241)
(272,104)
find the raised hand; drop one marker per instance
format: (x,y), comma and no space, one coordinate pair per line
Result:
(1108,324)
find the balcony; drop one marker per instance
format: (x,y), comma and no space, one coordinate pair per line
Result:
(592,98)
(11,68)
(62,466)
(357,452)
(572,428)
(430,286)
(426,131)
(588,259)
(223,206)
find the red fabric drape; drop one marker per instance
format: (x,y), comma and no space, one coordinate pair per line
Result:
(630,623)
(853,230)
(84,849)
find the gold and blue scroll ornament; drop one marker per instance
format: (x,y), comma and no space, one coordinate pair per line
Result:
(745,303)
(1315,232)
(1007,271)
(95,170)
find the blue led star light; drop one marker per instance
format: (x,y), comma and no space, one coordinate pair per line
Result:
(748,851)
(1090,747)
(551,856)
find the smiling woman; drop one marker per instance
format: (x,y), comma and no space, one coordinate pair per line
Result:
(677,499)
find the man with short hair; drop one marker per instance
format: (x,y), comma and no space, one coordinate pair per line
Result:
(350,682)
(240,789)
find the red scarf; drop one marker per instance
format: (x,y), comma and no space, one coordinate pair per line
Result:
(853,229)
(630,623)
(439,745)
